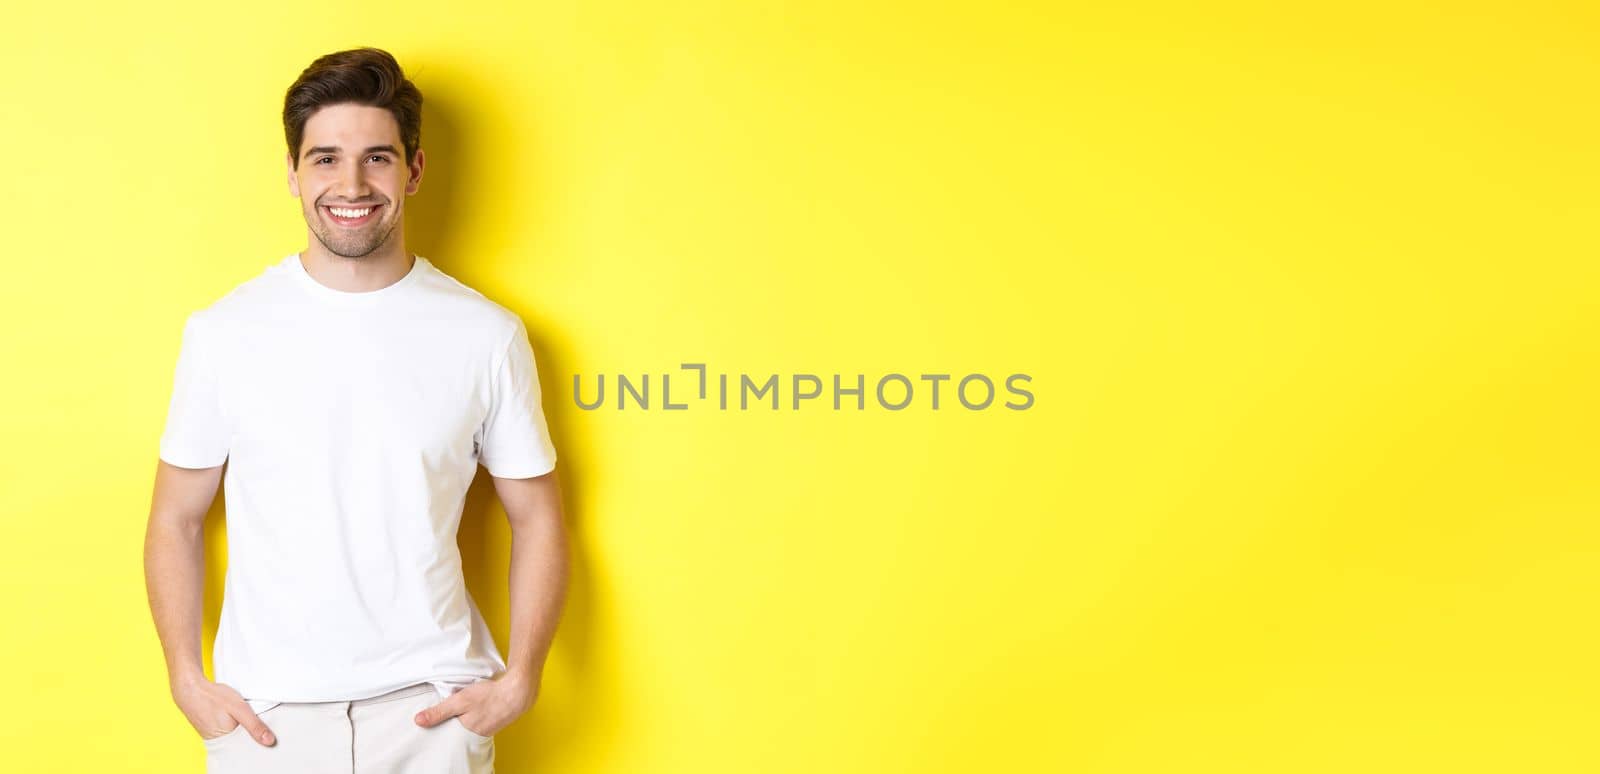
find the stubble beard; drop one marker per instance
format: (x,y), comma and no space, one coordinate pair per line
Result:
(358,244)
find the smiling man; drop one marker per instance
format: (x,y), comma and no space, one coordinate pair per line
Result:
(353,389)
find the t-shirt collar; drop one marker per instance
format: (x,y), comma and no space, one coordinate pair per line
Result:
(303,278)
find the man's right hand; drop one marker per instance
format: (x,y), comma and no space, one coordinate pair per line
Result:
(215,709)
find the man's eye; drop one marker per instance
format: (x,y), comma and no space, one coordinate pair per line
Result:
(324,158)
(380,158)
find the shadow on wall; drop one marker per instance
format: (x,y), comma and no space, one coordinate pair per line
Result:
(454,161)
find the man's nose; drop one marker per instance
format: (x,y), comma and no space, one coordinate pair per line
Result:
(353,182)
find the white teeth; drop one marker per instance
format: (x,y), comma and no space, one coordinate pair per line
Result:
(343,213)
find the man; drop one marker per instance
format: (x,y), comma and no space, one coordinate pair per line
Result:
(352,389)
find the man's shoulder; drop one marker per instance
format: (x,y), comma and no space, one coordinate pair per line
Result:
(464,305)
(261,291)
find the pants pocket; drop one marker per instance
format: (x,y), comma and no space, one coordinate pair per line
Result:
(469,732)
(238,731)
(218,740)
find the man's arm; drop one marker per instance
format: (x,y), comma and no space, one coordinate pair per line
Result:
(174,573)
(538,585)
(538,575)
(174,562)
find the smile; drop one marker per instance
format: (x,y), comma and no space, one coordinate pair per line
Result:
(352,216)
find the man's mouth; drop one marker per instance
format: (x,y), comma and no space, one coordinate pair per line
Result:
(351,216)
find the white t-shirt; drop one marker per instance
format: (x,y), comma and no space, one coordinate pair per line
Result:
(352,424)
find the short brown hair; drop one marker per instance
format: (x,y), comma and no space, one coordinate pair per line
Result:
(364,76)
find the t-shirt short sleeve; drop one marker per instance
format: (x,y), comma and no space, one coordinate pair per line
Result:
(515,441)
(196,433)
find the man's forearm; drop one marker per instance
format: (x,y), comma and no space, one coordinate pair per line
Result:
(538,581)
(174,571)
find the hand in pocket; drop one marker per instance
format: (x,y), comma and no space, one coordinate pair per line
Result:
(216,709)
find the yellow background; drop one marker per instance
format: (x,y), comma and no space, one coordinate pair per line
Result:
(1307,295)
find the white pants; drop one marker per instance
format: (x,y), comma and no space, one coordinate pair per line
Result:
(365,736)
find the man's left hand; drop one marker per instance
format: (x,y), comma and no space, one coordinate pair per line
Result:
(484,707)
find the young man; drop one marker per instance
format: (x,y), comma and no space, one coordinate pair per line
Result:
(353,388)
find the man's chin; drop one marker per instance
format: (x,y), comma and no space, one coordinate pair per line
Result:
(346,250)
(353,253)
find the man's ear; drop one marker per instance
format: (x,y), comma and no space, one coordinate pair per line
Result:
(294,180)
(416,174)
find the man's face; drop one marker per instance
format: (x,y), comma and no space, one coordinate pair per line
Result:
(352,178)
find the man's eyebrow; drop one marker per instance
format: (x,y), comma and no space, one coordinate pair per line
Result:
(334,149)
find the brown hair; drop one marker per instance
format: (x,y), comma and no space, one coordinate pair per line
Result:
(364,76)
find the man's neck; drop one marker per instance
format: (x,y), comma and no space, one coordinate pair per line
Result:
(374,271)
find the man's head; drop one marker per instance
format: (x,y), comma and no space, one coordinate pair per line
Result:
(353,123)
